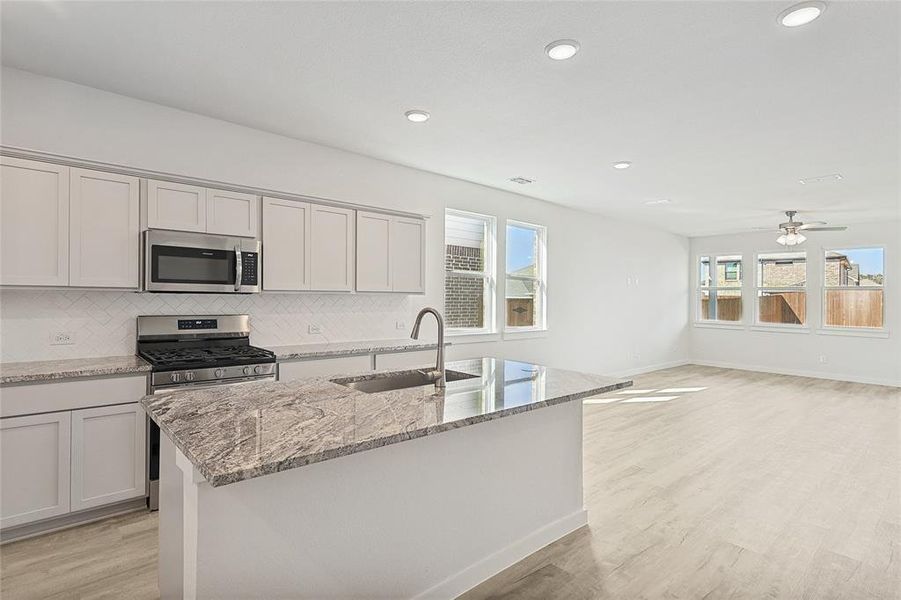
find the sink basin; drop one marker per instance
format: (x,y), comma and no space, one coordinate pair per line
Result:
(398,380)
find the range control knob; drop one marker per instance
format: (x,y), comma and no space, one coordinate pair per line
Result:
(219,373)
(176,377)
(258,370)
(189,376)
(247,370)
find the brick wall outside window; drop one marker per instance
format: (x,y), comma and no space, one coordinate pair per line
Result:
(463,296)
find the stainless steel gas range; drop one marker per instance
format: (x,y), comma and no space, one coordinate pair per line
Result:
(196,350)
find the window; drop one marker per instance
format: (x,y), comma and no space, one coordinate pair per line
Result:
(733,271)
(719,292)
(469,281)
(853,281)
(782,288)
(525,285)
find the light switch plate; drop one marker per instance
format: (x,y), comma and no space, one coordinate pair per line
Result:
(62,338)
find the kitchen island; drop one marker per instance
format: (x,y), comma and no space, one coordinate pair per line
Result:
(403,493)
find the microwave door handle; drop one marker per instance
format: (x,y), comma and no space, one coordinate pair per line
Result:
(238,268)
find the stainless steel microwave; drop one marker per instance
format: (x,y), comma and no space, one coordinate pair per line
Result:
(198,262)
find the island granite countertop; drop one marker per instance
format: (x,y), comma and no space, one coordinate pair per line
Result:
(71,368)
(237,432)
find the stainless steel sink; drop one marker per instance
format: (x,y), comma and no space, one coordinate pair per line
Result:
(398,380)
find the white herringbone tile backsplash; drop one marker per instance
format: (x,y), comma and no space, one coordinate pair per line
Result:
(103,322)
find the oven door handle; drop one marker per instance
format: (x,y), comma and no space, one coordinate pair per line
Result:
(238,268)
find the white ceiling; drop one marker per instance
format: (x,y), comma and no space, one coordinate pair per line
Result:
(720,109)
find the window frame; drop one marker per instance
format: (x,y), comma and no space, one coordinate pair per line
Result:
(713,258)
(540,279)
(488,275)
(759,287)
(853,330)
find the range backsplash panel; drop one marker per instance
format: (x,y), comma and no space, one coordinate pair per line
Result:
(102,323)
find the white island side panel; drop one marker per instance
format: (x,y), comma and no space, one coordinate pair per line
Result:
(430,517)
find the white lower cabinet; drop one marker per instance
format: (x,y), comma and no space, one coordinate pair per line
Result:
(34,468)
(108,451)
(85,450)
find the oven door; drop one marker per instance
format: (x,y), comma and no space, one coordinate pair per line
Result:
(196,262)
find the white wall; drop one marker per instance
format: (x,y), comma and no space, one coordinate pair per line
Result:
(851,358)
(597,322)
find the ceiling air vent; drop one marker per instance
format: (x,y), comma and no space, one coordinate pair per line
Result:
(522,180)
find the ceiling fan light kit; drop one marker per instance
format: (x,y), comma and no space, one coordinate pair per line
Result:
(790,231)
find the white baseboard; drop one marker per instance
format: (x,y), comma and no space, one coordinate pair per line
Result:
(494,563)
(796,372)
(649,368)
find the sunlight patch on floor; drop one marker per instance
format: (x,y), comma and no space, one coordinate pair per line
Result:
(633,392)
(600,400)
(681,390)
(650,399)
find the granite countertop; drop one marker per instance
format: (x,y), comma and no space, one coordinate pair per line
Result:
(338,349)
(47,370)
(234,433)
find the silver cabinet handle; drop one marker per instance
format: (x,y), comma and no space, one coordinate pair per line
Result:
(238,268)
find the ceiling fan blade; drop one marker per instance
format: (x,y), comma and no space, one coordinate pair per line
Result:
(825,228)
(773,229)
(809,224)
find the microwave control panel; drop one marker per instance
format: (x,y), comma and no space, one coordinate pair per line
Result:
(249,268)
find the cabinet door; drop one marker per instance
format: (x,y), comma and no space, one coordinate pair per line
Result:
(104,229)
(107,455)
(331,249)
(373,252)
(232,213)
(34,468)
(34,223)
(175,206)
(408,255)
(286,245)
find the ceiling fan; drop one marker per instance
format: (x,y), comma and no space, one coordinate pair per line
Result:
(791,230)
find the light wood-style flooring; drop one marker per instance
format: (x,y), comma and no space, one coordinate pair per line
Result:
(756,486)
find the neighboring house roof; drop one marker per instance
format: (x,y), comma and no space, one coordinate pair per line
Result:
(517,288)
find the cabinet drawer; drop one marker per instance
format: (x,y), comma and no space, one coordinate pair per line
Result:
(37,398)
(326,367)
(405,360)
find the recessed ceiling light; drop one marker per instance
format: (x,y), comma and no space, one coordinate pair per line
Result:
(623,164)
(562,49)
(417,116)
(802,14)
(522,180)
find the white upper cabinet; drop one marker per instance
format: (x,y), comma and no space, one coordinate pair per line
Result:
(331,249)
(408,254)
(373,252)
(34,468)
(34,223)
(286,245)
(391,253)
(176,206)
(232,213)
(104,229)
(107,455)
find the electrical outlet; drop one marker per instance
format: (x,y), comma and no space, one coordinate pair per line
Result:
(62,338)
(823,359)
(400,325)
(315,328)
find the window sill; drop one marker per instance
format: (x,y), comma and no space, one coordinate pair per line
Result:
(854,332)
(460,337)
(715,325)
(524,334)
(781,328)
